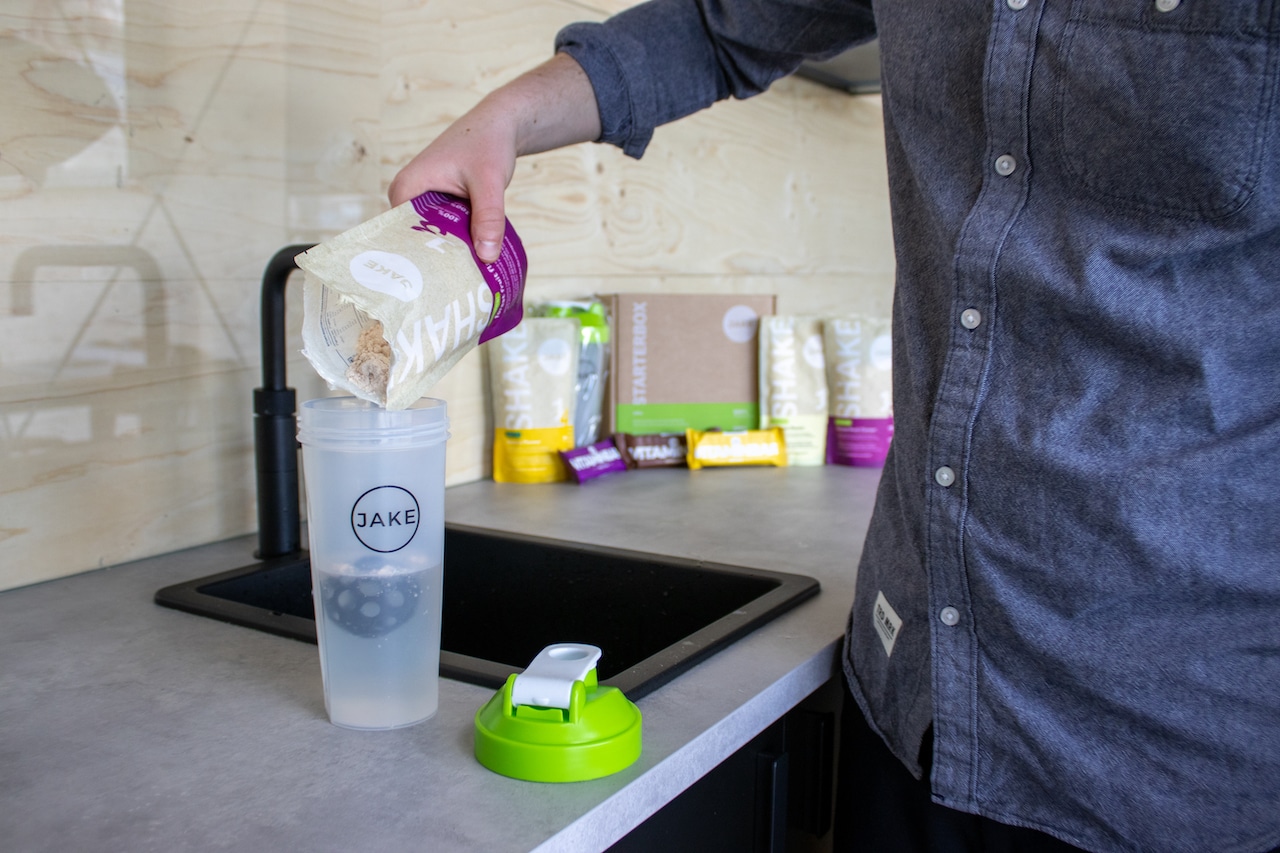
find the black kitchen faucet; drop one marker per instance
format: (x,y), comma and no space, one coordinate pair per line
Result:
(275,425)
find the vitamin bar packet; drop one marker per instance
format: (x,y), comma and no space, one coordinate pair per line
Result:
(596,460)
(708,448)
(859,358)
(533,370)
(653,450)
(390,306)
(793,385)
(593,364)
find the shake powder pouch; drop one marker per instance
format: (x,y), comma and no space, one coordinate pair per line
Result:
(390,306)
(593,365)
(533,371)
(859,388)
(793,385)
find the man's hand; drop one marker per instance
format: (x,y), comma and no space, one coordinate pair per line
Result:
(551,106)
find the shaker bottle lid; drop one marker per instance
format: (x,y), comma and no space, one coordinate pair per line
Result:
(555,723)
(349,423)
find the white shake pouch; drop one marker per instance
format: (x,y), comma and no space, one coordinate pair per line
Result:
(390,306)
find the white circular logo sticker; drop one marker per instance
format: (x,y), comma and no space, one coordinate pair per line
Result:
(740,323)
(554,355)
(882,353)
(389,273)
(385,518)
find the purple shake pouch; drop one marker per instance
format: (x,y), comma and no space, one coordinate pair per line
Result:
(595,460)
(860,442)
(446,214)
(859,365)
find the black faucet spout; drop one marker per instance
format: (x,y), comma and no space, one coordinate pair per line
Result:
(275,426)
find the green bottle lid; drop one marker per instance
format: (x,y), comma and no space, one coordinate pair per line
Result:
(555,723)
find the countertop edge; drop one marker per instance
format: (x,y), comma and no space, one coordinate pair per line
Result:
(628,808)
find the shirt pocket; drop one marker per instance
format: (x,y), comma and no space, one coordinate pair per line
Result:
(1163,106)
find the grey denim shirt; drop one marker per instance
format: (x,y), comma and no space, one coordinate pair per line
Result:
(1073,568)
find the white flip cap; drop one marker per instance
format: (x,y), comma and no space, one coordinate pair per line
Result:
(548,680)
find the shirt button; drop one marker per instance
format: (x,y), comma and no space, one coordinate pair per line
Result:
(1015,5)
(945,476)
(1005,164)
(971,318)
(1167,5)
(949,616)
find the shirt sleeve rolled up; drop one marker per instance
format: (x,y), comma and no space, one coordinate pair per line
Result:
(665,59)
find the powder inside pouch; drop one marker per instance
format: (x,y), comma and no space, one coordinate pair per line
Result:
(371,367)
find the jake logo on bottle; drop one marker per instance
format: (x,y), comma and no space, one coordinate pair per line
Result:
(385,518)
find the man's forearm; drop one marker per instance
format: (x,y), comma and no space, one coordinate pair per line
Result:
(554,105)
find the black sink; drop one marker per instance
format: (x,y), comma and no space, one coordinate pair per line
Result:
(508,596)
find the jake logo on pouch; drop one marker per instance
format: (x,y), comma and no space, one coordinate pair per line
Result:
(385,518)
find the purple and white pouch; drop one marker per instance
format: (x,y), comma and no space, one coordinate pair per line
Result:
(859,363)
(390,306)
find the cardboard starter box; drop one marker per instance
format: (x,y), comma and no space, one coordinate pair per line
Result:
(684,361)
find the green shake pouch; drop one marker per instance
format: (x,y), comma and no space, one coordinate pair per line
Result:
(793,385)
(593,365)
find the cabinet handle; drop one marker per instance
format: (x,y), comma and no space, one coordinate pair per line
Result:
(771,801)
(811,745)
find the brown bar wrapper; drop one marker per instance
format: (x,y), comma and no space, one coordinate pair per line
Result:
(654,450)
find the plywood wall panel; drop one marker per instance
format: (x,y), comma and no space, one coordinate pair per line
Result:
(154,156)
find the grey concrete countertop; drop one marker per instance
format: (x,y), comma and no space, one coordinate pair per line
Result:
(125,726)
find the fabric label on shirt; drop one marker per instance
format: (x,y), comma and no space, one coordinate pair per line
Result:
(887,623)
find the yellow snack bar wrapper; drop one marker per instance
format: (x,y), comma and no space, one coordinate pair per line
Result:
(712,448)
(531,455)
